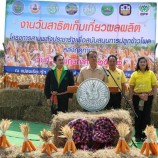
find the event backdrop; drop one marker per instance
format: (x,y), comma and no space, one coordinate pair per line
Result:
(37,30)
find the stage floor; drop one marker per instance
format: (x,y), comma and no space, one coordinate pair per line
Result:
(15,136)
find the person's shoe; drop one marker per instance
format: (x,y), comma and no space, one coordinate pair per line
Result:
(138,139)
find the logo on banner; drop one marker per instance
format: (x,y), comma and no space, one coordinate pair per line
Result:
(89,9)
(125,9)
(107,10)
(34,7)
(71,9)
(52,8)
(18,7)
(144,10)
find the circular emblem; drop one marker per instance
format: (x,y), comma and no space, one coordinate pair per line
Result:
(144,8)
(93,95)
(71,9)
(52,8)
(34,7)
(89,9)
(107,10)
(18,7)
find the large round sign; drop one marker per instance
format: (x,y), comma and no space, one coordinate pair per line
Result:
(93,95)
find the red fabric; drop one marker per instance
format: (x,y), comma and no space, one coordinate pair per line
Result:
(54,99)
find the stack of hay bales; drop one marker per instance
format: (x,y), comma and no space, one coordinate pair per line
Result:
(64,118)
(27,104)
(154,113)
(38,114)
(75,105)
(19,97)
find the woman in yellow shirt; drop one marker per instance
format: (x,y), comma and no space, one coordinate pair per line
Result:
(142,94)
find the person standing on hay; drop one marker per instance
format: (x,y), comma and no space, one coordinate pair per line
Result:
(56,82)
(93,70)
(119,76)
(142,94)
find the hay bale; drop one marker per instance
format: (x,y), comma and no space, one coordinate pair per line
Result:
(12,112)
(110,153)
(43,99)
(20,97)
(24,104)
(75,105)
(78,154)
(38,114)
(154,106)
(154,118)
(63,118)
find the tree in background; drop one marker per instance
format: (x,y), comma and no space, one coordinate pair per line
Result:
(1,61)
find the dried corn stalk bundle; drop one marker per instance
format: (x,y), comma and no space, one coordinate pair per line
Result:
(2,78)
(48,146)
(149,147)
(67,132)
(3,140)
(122,145)
(1,65)
(35,81)
(154,138)
(27,144)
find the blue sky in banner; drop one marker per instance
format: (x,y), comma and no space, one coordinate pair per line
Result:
(146,22)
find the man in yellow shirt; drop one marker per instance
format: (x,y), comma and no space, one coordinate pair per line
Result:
(93,70)
(57,80)
(119,76)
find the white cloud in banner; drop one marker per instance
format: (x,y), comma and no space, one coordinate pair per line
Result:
(3,7)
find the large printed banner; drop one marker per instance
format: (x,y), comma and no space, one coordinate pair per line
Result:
(38,30)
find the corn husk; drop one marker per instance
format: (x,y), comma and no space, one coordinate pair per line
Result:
(46,136)
(5,123)
(25,130)
(4,143)
(122,146)
(48,146)
(123,129)
(154,137)
(148,146)
(150,132)
(27,144)
(69,146)
(67,132)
